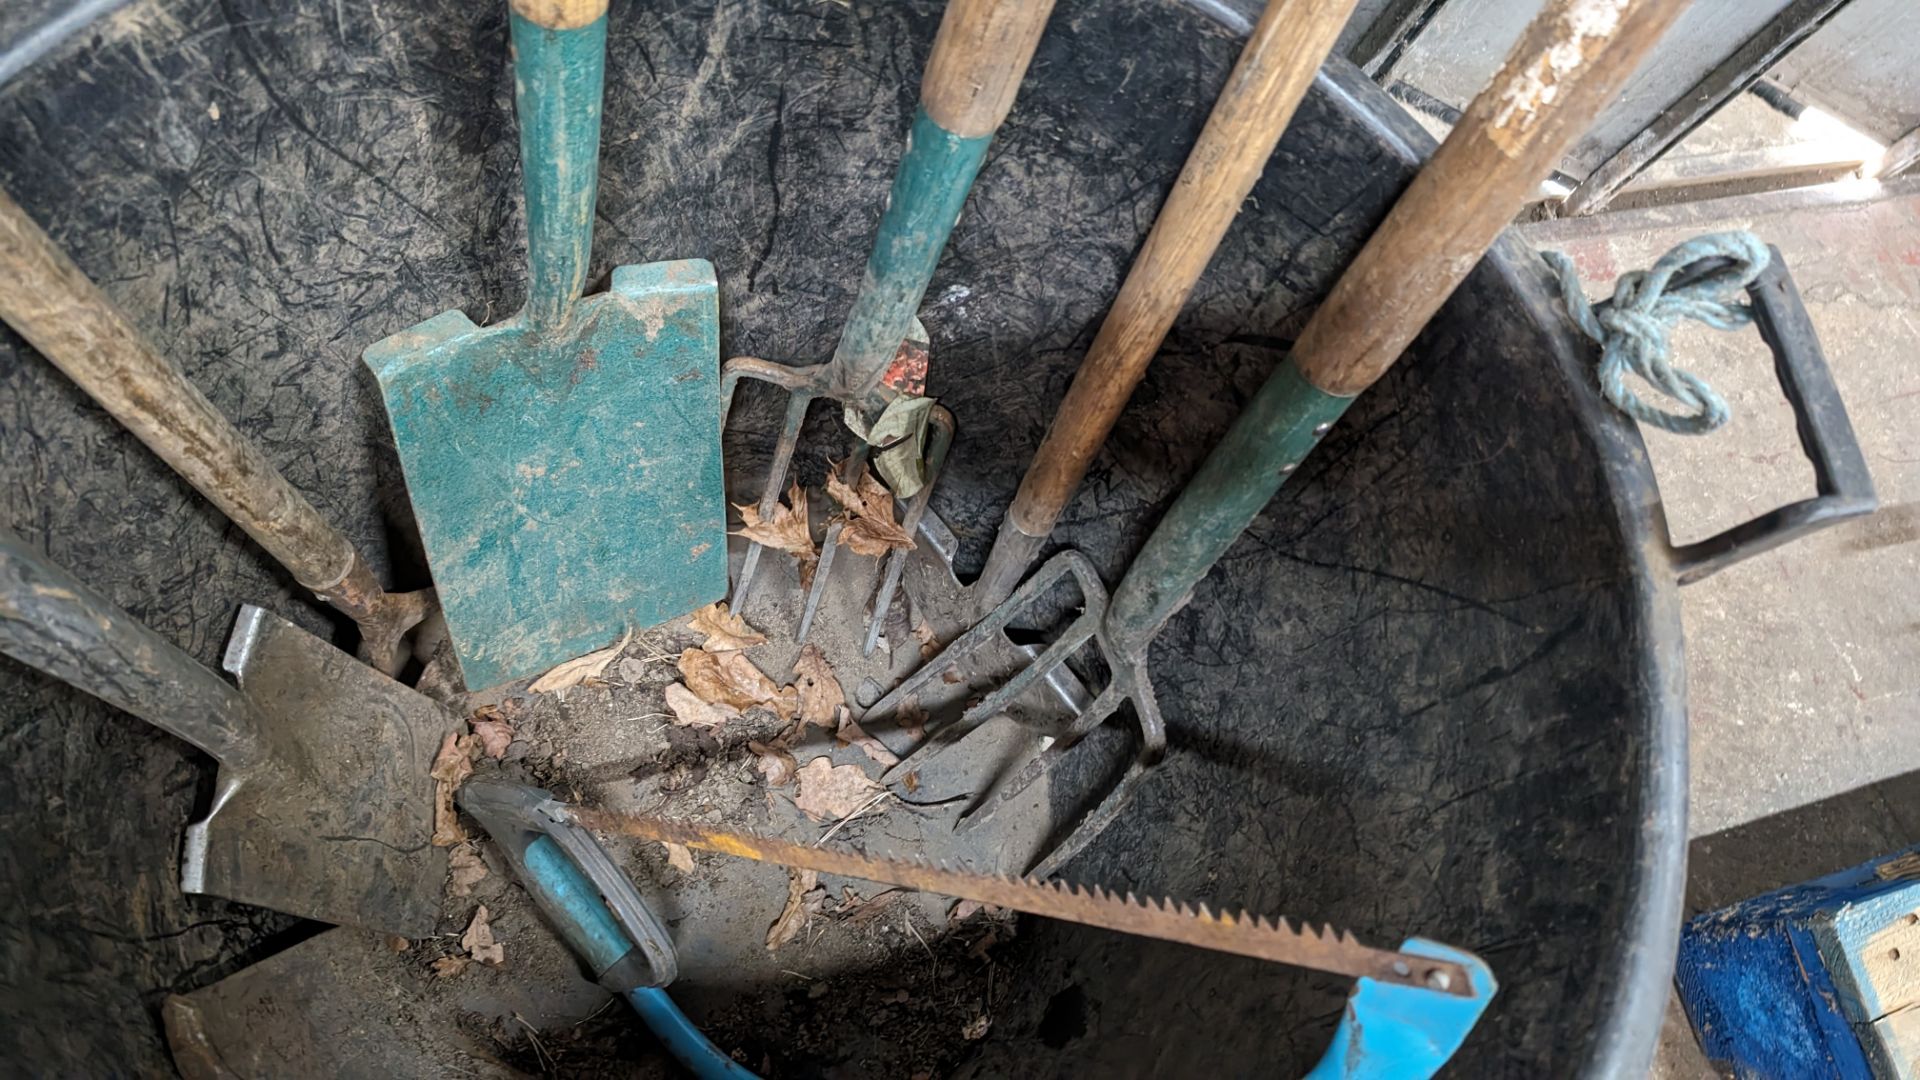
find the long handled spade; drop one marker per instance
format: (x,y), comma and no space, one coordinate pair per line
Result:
(323,806)
(979,57)
(1572,59)
(564,464)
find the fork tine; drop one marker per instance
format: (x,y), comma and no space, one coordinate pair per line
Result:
(855,464)
(942,422)
(819,587)
(776,477)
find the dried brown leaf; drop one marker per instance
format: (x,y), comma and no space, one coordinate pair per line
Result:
(786,528)
(804,899)
(873,537)
(829,792)
(929,645)
(852,734)
(452,765)
(729,678)
(679,856)
(580,668)
(819,692)
(965,909)
(774,763)
(857,909)
(478,939)
(689,709)
(398,943)
(724,630)
(494,735)
(465,869)
(868,505)
(448,966)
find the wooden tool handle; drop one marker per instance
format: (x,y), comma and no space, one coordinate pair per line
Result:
(1273,73)
(51,303)
(559,14)
(1572,60)
(979,57)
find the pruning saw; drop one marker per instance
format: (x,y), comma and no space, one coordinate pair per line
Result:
(1280,940)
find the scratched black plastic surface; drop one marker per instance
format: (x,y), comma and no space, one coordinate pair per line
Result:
(1418,697)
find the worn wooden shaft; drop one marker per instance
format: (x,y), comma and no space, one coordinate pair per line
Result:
(52,622)
(559,14)
(1274,70)
(1571,60)
(51,303)
(558,76)
(979,57)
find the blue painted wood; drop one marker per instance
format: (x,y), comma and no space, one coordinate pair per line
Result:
(564,465)
(1771,985)
(1391,1032)
(930,187)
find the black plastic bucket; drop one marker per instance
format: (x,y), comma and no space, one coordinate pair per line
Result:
(1436,689)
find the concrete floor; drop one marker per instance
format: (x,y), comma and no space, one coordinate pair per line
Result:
(1803,663)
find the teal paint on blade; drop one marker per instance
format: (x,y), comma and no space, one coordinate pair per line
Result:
(564,465)
(1276,432)
(929,188)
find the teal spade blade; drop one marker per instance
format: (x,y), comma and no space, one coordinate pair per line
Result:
(564,465)
(567,484)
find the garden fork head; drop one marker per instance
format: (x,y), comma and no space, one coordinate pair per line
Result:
(1128,681)
(905,378)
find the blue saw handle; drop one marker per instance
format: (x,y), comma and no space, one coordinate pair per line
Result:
(1391,1032)
(557,84)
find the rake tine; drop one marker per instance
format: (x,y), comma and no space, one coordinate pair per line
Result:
(942,422)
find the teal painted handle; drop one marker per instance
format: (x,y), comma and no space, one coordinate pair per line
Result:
(1285,420)
(928,191)
(557,82)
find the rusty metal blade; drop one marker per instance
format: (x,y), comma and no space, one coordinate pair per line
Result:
(1282,941)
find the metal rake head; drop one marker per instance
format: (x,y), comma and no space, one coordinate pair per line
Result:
(1128,682)
(804,385)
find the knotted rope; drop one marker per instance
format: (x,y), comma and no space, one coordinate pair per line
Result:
(1632,326)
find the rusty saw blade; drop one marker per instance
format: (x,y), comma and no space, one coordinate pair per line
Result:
(1283,941)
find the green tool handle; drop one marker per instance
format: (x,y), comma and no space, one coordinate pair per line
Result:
(1568,63)
(559,60)
(979,57)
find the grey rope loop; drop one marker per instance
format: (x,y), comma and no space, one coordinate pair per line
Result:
(1632,326)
